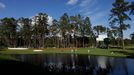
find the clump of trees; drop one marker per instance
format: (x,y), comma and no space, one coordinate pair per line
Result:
(120,14)
(107,42)
(132,38)
(68,31)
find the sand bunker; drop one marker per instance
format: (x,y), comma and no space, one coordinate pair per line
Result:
(17,48)
(37,50)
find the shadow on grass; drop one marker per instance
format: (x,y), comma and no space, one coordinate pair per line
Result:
(115,47)
(130,48)
(128,55)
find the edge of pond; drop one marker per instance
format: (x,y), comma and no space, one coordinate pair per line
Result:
(116,56)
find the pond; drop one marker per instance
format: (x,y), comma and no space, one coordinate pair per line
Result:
(73,64)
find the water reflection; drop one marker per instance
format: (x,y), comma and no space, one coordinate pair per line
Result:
(80,64)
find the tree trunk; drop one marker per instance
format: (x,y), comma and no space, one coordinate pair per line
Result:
(76,43)
(57,44)
(123,47)
(83,42)
(121,34)
(95,42)
(59,41)
(73,42)
(64,42)
(43,41)
(29,43)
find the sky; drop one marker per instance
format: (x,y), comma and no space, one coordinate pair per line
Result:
(97,10)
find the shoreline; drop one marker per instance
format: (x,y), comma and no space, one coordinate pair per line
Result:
(85,51)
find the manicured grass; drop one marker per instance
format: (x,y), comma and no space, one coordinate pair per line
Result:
(90,51)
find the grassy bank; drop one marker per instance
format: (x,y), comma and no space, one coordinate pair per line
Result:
(90,51)
(6,57)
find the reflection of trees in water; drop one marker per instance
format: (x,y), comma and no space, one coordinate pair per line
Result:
(120,66)
(92,64)
(104,66)
(33,59)
(107,65)
(78,64)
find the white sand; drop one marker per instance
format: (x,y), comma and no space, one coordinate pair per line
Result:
(17,48)
(37,50)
